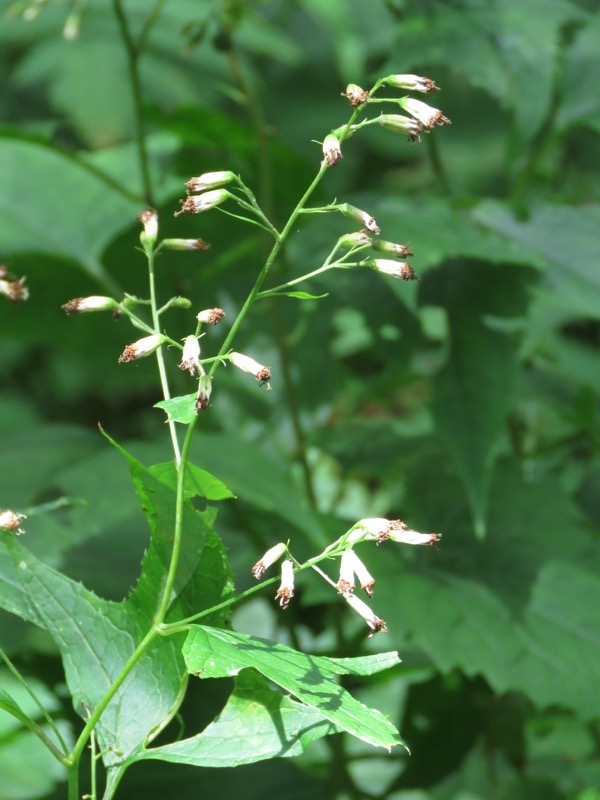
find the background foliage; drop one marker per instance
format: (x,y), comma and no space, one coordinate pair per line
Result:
(465,403)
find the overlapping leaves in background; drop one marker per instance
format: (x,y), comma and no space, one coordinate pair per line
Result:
(465,403)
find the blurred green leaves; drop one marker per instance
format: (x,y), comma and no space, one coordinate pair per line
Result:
(464,403)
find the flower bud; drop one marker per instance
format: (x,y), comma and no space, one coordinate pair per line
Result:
(141,348)
(191,355)
(397,269)
(210,180)
(180,302)
(414,83)
(391,248)
(286,589)
(149,219)
(186,244)
(83,305)
(211,316)
(401,124)
(356,95)
(357,239)
(196,203)
(247,364)
(373,621)
(204,393)
(427,115)
(270,557)
(14,290)
(360,216)
(11,521)
(332,152)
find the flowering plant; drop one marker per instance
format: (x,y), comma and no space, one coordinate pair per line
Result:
(176,621)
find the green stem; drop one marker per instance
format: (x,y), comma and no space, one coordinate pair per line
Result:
(149,24)
(160,357)
(133,659)
(29,723)
(178,532)
(133,54)
(73,781)
(332,551)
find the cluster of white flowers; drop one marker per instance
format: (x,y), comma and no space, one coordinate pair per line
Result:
(352,569)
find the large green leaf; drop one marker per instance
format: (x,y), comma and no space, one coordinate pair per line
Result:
(256,723)
(474,390)
(566,239)
(215,653)
(79,227)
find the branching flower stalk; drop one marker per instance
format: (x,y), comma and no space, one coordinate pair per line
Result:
(211,193)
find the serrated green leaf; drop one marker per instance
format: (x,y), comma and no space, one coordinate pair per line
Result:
(256,723)
(215,653)
(180,409)
(473,392)
(203,577)
(95,638)
(79,228)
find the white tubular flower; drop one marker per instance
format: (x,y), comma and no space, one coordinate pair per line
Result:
(374,622)
(356,95)
(332,151)
(204,393)
(366,580)
(141,348)
(414,83)
(196,203)
(345,584)
(247,364)
(406,536)
(427,115)
(191,355)
(11,521)
(14,290)
(286,589)
(211,316)
(360,216)
(149,219)
(396,269)
(210,180)
(83,305)
(270,557)
(185,244)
